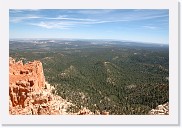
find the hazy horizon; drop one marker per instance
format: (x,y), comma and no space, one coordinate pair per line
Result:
(135,25)
(131,41)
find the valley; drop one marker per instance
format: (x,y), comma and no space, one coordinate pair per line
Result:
(120,77)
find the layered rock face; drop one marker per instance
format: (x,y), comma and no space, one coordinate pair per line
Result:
(24,79)
(29,94)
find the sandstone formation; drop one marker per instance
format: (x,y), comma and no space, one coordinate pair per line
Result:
(160,110)
(29,94)
(24,79)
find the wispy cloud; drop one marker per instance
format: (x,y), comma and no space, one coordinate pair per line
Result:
(34,9)
(83,17)
(21,19)
(150,27)
(15,11)
(65,17)
(63,22)
(135,17)
(152,17)
(95,11)
(137,24)
(22,10)
(66,23)
(51,25)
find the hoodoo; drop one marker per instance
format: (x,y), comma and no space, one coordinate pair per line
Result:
(29,94)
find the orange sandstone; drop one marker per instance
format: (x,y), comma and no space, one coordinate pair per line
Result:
(29,94)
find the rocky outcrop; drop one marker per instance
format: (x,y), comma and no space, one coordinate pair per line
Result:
(23,79)
(160,110)
(29,94)
(43,103)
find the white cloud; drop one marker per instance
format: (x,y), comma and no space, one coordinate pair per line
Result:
(70,23)
(33,9)
(22,10)
(21,19)
(95,11)
(64,17)
(51,25)
(150,27)
(15,11)
(66,21)
(142,17)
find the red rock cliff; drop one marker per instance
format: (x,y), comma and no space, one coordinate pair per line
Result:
(23,79)
(31,72)
(29,94)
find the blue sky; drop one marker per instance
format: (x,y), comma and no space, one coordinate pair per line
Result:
(142,25)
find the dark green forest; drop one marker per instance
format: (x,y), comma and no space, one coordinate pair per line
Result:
(119,78)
